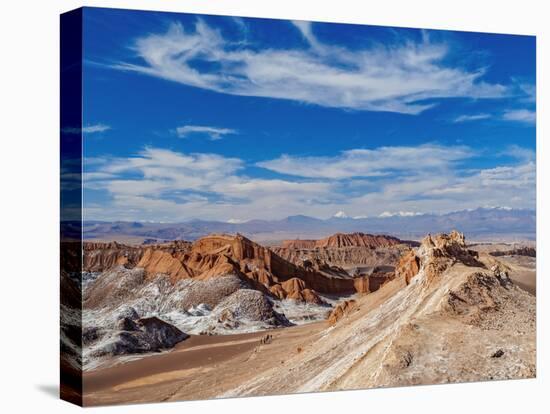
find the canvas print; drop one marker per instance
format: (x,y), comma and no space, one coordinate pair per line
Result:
(256,206)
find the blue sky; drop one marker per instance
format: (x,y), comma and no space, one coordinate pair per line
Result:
(207,117)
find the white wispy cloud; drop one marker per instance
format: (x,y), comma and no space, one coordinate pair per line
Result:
(369,162)
(214,133)
(394,78)
(469,118)
(520,115)
(164,185)
(522,154)
(88,129)
(510,185)
(528,90)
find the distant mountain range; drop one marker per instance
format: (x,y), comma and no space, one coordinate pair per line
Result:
(481,224)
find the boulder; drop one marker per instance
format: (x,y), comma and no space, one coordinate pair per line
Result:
(145,335)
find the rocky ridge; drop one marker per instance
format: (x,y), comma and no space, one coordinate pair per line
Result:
(450,315)
(217,255)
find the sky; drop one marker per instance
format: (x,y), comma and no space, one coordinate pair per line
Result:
(224,118)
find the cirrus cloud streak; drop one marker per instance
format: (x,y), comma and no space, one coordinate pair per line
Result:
(395,78)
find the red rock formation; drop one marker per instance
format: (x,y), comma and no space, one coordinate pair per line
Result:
(358,240)
(97,257)
(219,255)
(341,310)
(263,266)
(408,266)
(158,261)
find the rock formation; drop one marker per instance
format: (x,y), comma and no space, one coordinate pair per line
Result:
(218,284)
(102,256)
(219,255)
(459,318)
(341,310)
(246,305)
(336,253)
(358,240)
(159,261)
(519,251)
(408,266)
(132,335)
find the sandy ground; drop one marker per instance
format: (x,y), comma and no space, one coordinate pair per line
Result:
(523,268)
(198,368)
(523,271)
(205,367)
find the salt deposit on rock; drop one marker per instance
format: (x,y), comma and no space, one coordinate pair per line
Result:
(246,310)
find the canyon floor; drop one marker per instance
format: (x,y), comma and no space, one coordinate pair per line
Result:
(434,312)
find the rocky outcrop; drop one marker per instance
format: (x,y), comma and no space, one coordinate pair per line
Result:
(339,240)
(520,251)
(98,257)
(344,251)
(265,270)
(341,310)
(246,305)
(334,260)
(159,261)
(265,267)
(408,266)
(134,335)
(358,240)
(458,319)
(151,334)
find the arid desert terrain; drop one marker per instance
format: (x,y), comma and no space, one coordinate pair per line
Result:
(225,316)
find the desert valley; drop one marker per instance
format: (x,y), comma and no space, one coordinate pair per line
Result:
(225,316)
(256,206)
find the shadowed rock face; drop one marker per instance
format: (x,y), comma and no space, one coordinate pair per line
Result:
(520,251)
(151,334)
(134,335)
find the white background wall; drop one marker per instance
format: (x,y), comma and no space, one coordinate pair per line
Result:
(29,146)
